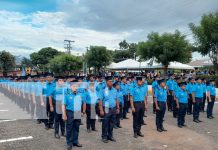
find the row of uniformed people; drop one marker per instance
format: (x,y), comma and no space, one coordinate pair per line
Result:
(172,86)
(109,97)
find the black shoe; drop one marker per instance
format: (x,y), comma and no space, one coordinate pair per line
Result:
(105,140)
(140,134)
(184,125)
(119,126)
(115,127)
(38,122)
(57,136)
(125,118)
(135,135)
(77,145)
(69,147)
(180,126)
(209,117)
(63,134)
(212,117)
(51,127)
(95,130)
(144,123)
(199,120)
(81,123)
(163,129)
(196,121)
(159,130)
(145,115)
(89,130)
(112,139)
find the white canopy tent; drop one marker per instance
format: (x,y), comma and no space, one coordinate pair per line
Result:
(126,64)
(175,65)
(133,64)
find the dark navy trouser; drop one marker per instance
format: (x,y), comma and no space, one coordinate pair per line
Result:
(108,122)
(125,109)
(182,112)
(160,114)
(203,102)
(170,98)
(72,128)
(197,108)
(119,116)
(58,119)
(138,116)
(190,104)
(210,106)
(90,116)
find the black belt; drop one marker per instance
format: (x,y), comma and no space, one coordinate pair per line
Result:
(138,102)
(73,111)
(161,102)
(110,108)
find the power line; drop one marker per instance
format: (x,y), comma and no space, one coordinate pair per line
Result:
(68,46)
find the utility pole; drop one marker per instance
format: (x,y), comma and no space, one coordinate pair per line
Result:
(68,46)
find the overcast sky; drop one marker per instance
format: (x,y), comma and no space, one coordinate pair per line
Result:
(28,25)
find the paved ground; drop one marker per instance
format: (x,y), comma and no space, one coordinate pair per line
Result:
(194,137)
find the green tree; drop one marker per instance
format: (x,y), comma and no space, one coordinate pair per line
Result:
(65,64)
(165,48)
(26,62)
(120,55)
(98,57)
(7,62)
(127,51)
(124,45)
(206,36)
(43,56)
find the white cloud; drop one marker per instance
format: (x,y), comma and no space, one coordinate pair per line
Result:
(95,22)
(23,34)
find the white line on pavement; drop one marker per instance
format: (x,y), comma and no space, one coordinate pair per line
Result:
(7,120)
(3,110)
(16,139)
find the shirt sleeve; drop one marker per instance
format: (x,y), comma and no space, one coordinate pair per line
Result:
(84,96)
(156,93)
(167,83)
(194,88)
(116,95)
(153,85)
(132,91)
(64,100)
(100,95)
(208,88)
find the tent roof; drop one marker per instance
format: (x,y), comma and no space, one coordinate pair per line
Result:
(133,64)
(126,64)
(176,65)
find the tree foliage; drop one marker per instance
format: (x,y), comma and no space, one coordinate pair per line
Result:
(206,36)
(127,51)
(98,57)
(43,56)
(124,45)
(7,62)
(26,62)
(65,64)
(165,48)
